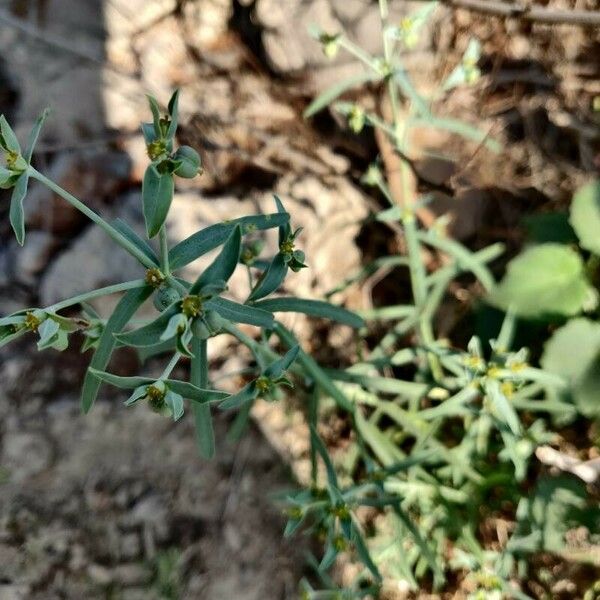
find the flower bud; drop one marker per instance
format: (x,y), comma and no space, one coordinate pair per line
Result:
(191,163)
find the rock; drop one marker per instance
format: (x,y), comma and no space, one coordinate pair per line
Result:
(25,454)
(14,592)
(92,177)
(92,261)
(130,546)
(131,574)
(31,259)
(100,575)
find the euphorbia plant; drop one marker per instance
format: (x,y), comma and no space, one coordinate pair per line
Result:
(190,313)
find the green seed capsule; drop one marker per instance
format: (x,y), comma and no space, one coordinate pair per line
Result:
(191,163)
(164,297)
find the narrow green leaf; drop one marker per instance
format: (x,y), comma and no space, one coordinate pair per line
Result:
(503,410)
(241,313)
(155,115)
(125,383)
(385,450)
(127,232)
(126,308)
(318,445)
(157,194)
(9,139)
(222,268)
(16,213)
(213,236)
(137,394)
(34,135)
(277,369)
(192,392)
(363,551)
(245,395)
(148,132)
(314,308)
(174,113)
(150,334)
(335,91)
(271,279)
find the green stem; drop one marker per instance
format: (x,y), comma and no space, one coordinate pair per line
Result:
(164,252)
(358,52)
(205,435)
(88,212)
(172,364)
(105,291)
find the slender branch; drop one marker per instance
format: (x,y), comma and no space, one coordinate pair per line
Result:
(172,364)
(164,251)
(521,10)
(105,291)
(88,212)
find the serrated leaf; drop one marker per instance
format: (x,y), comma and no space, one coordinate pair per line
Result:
(213,236)
(157,194)
(34,135)
(223,266)
(335,91)
(270,280)
(241,313)
(16,213)
(314,308)
(127,232)
(544,280)
(585,216)
(126,308)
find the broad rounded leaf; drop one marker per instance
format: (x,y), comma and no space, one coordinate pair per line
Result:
(157,194)
(544,280)
(585,216)
(574,353)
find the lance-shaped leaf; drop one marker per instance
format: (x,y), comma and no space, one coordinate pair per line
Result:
(222,268)
(8,139)
(184,388)
(363,551)
(318,445)
(241,313)
(151,333)
(285,229)
(314,308)
(157,194)
(127,232)
(126,308)
(503,409)
(148,132)
(276,369)
(213,236)
(34,135)
(155,115)
(271,279)
(245,395)
(16,213)
(173,108)
(139,393)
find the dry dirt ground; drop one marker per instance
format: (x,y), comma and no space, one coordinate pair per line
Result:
(117,504)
